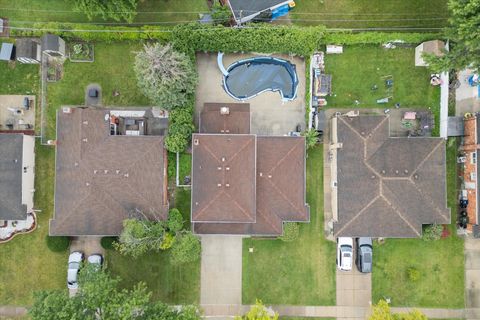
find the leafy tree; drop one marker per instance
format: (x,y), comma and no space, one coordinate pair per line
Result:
(186,249)
(175,220)
(432,232)
(221,14)
(99,297)
(258,312)
(464,35)
(111,9)
(311,138)
(382,311)
(291,230)
(167,77)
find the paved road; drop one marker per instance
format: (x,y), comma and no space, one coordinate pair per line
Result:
(221,271)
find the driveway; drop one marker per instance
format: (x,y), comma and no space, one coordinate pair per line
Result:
(221,271)
(269,114)
(466,96)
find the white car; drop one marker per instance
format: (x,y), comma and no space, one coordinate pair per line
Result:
(344,253)
(74,263)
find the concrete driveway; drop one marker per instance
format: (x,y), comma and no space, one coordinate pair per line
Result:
(269,115)
(221,270)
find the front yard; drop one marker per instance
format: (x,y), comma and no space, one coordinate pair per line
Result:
(301,272)
(440,263)
(26,264)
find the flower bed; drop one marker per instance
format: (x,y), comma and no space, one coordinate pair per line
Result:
(82,52)
(11,228)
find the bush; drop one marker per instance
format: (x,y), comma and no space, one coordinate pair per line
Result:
(413,274)
(107,242)
(58,244)
(291,231)
(186,249)
(174,221)
(432,232)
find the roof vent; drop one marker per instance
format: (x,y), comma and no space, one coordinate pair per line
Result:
(415,176)
(406,171)
(383,172)
(270,176)
(261,174)
(227,168)
(85,122)
(227,185)
(227,131)
(222,131)
(117,171)
(396,171)
(85,140)
(373,176)
(223,159)
(87,184)
(105,171)
(195,142)
(219,168)
(95,171)
(126,175)
(225,111)
(76,164)
(219,185)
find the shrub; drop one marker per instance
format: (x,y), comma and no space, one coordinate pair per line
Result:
(186,249)
(413,274)
(432,232)
(58,244)
(311,138)
(174,221)
(291,231)
(107,242)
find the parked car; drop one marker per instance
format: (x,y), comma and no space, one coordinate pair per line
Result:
(364,254)
(74,263)
(344,253)
(95,259)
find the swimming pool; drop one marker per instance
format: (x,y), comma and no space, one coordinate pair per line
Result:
(248,78)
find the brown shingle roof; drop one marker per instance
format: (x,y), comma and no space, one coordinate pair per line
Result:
(280,188)
(102,179)
(387,187)
(237,121)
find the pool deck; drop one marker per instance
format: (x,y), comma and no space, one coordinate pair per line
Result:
(269,114)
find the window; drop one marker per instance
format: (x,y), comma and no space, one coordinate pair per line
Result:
(473,159)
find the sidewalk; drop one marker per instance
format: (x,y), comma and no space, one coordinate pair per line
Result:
(472,277)
(12,311)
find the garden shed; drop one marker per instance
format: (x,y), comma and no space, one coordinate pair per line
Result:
(53,45)
(27,51)
(6,51)
(435,47)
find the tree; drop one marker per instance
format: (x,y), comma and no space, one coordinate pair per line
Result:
(186,249)
(258,312)
(221,14)
(311,138)
(382,311)
(167,77)
(432,232)
(291,230)
(111,9)
(99,297)
(463,32)
(140,234)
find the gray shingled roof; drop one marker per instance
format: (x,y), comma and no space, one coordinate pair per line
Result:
(387,187)
(11,156)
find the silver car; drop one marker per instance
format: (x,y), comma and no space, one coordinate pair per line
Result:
(74,263)
(364,254)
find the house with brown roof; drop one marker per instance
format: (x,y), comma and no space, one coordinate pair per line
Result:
(243,183)
(110,164)
(384,186)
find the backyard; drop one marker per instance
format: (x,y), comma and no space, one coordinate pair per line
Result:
(371,14)
(440,263)
(26,264)
(168,283)
(301,272)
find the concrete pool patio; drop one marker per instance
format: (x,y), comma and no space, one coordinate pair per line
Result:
(269,114)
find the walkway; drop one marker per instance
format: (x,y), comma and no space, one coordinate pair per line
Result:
(354,294)
(221,271)
(472,278)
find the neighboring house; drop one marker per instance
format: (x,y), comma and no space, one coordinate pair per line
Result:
(53,45)
(27,51)
(243,183)
(470,149)
(435,47)
(110,165)
(384,186)
(17,172)
(246,10)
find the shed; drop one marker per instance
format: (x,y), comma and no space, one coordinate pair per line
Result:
(27,51)
(455,127)
(6,51)
(435,47)
(53,45)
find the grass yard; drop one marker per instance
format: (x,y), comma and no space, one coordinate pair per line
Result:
(168,283)
(112,69)
(17,78)
(296,273)
(26,264)
(153,11)
(371,14)
(440,263)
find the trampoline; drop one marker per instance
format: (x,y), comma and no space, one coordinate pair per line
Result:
(248,78)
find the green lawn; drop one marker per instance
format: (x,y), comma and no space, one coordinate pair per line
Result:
(153,11)
(168,283)
(296,273)
(441,263)
(371,14)
(26,264)
(112,69)
(17,78)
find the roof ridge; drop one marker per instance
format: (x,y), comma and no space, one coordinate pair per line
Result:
(352,129)
(398,211)
(240,207)
(428,199)
(270,222)
(285,156)
(358,214)
(284,196)
(426,157)
(200,212)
